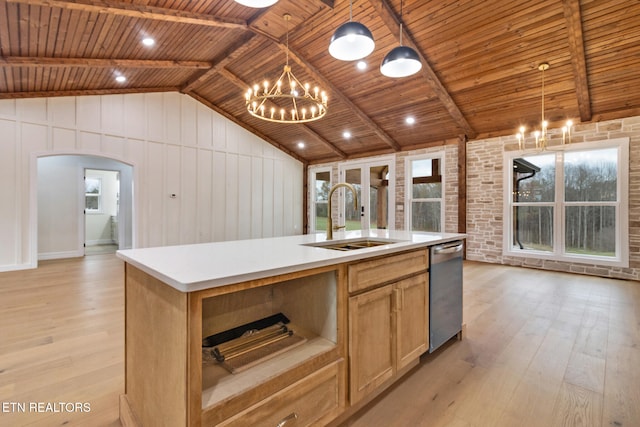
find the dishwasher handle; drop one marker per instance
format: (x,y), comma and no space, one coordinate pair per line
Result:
(443,250)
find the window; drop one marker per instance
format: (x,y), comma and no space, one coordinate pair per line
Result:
(321,184)
(569,205)
(425,194)
(93,195)
(533,202)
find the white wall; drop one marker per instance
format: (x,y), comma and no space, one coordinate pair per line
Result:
(228,183)
(58,206)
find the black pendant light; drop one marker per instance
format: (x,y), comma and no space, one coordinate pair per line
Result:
(352,40)
(401,61)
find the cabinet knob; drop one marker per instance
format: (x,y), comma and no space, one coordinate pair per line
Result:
(285,420)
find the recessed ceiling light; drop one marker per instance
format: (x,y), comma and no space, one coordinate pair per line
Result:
(361,65)
(121,79)
(410,120)
(300,144)
(148,41)
(346,134)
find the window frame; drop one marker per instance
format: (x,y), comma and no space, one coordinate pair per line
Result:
(621,258)
(408,206)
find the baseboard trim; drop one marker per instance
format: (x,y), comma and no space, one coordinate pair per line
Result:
(58,255)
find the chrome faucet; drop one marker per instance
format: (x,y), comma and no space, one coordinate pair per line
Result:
(330,226)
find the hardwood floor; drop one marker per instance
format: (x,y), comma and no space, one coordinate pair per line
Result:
(541,349)
(62,340)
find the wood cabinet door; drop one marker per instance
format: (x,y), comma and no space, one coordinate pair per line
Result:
(411,306)
(371,341)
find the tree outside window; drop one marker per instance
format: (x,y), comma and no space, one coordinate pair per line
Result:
(570,204)
(590,192)
(426,196)
(533,202)
(322,182)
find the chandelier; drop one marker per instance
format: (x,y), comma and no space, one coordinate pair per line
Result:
(287,100)
(541,135)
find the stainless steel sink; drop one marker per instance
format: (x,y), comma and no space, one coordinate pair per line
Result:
(353,244)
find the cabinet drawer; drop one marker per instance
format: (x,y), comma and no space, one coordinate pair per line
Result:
(311,400)
(367,274)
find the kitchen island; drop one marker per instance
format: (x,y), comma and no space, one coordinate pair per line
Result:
(354,311)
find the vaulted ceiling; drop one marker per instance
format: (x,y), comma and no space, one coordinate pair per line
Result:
(479,78)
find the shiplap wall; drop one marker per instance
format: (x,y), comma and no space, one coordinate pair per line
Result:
(228,183)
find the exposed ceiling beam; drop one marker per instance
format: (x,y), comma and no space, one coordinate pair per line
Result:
(239,48)
(313,134)
(243,85)
(234,79)
(87,92)
(134,10)
(247,127)
(28,61)
(390,19)
(576,47)
(171,15)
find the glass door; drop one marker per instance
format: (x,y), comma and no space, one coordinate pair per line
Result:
(374,183)
(379,197)
(321,180)
(352,213)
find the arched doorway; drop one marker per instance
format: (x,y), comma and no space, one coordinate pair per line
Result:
(62,199)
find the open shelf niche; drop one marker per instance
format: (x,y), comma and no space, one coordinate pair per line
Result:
(309,302)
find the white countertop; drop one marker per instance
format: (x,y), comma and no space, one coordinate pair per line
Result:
(190,268)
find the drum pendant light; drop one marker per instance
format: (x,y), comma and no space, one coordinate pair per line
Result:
(257,3)
(352,40)
(401,61)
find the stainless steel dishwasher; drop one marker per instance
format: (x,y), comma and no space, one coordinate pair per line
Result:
(445,292)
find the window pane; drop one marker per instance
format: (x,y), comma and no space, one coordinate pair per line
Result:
(378,196)
(421,167)
(323,185)
(427,180)
(92,185)
(591,230)
(427,191)
(92,203)
(591,176)
(353,214)
(534,178)
(425,216)
(321,216)
(533,228)
(379,206)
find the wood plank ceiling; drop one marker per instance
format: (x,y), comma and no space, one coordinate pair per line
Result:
(479,76)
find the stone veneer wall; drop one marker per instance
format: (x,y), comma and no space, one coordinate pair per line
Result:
(485,194)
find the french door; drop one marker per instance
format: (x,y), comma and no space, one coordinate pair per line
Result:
(374,182)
